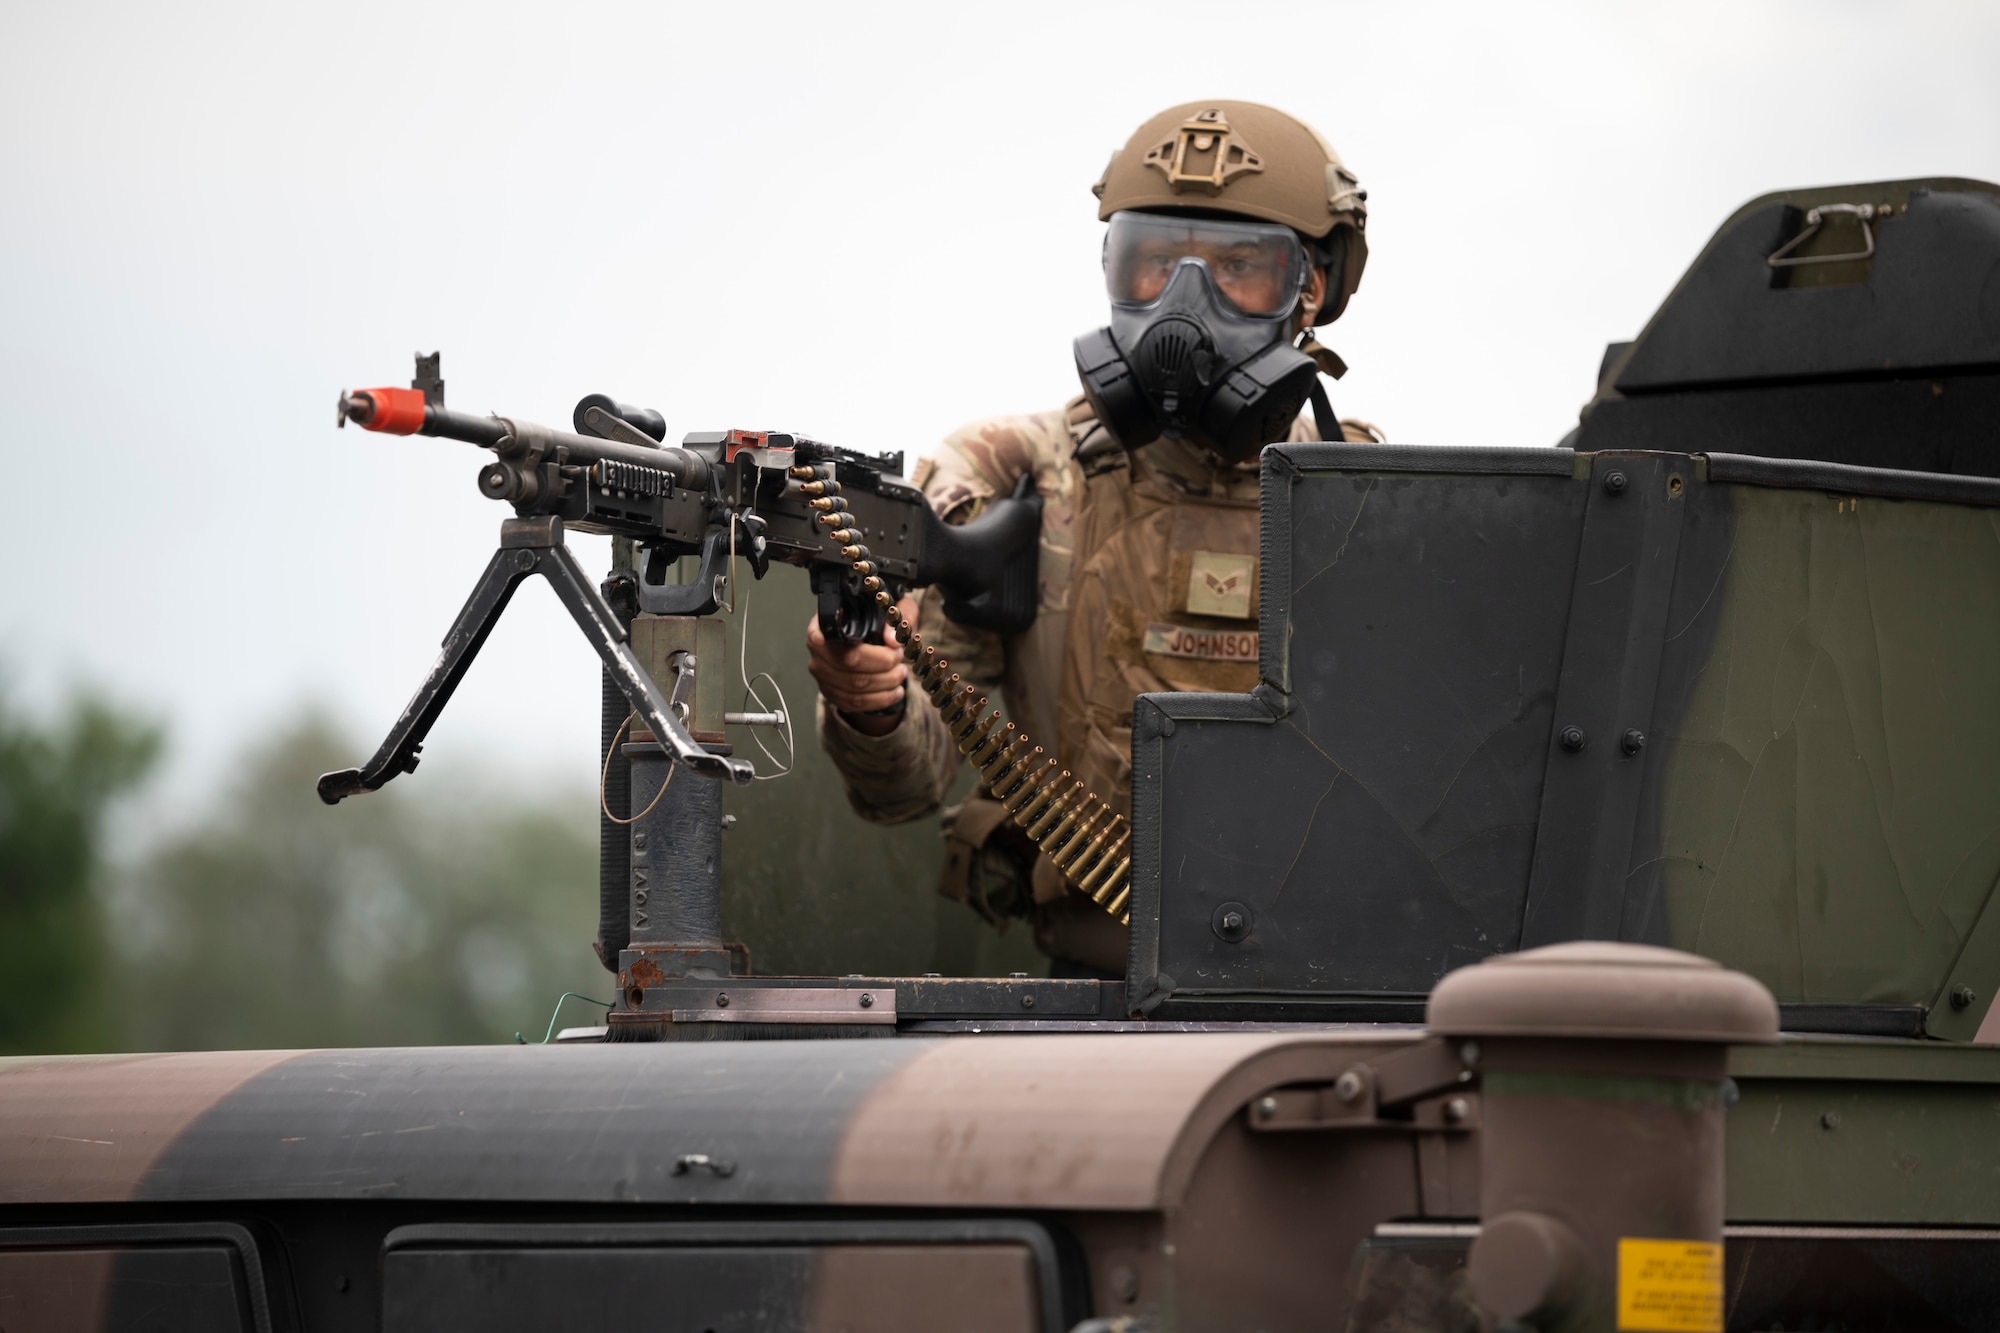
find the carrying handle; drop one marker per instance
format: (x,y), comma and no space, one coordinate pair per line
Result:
(1782,257)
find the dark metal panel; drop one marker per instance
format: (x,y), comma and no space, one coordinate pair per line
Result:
(607,1123)
(1595,765)
(531,1289)
(1337,895)
(1931,299)
(1854,1020)
(1375,828)
(1277,474)
(1945,424)
(1376,1013)
(1890,483)
(1423,458)
(1694,615)
(140,1277)
(920,998)
(751,1276)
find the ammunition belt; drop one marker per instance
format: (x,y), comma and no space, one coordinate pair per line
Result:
(1080,834)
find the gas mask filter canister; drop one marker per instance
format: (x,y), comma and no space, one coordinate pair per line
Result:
(1197,348)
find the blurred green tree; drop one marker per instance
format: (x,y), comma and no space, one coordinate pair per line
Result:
(57,779)
(444,908)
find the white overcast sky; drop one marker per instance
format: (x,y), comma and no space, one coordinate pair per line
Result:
(872,223)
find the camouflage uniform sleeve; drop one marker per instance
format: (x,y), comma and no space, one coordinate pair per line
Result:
(905,774)
(894,778)
(975,464)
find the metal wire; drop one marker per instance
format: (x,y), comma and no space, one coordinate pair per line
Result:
(605,777)
(750,694)
(557,1013)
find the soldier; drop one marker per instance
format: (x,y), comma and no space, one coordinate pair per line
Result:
(1235,230)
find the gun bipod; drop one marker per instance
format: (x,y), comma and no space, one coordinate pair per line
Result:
(527,546)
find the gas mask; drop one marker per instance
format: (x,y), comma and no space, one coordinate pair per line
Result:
(1198,346)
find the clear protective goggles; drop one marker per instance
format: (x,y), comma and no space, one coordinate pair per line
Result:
(1259,268)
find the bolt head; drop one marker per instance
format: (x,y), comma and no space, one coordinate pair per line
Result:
(1962,997)
(1633,741)
(722,1001)
(1572,738)
(1266,1107)
(1231,922)
(1830,1120)
(1456,1110)
(1615,483)
(867,1000)
(1027,1001)
(1349,1087)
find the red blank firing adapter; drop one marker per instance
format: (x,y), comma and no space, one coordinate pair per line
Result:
(396,411)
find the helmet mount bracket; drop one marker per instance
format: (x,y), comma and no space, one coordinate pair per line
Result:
(1204,154)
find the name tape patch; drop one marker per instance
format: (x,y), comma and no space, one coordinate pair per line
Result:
(1669,1286)
(1210,645)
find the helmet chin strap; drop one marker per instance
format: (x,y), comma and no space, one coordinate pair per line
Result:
(1324,357)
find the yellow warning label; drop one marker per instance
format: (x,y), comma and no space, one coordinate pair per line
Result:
(1669,1286)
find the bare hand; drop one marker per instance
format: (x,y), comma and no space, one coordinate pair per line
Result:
(859,678)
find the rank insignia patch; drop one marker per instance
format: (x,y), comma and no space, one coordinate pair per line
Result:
(1220,584)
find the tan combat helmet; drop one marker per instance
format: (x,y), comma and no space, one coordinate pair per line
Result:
(1252,160)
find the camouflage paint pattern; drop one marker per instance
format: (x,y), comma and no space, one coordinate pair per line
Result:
(1179,1206)
(1174,1203)
(1827,821)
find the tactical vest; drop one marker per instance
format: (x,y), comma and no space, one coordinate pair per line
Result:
(1163,596)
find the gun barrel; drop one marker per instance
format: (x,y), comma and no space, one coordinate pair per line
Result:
(486,432)
(404,412)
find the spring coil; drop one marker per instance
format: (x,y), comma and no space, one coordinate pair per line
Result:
(1082,835)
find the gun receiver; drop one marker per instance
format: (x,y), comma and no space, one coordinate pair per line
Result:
(613,476)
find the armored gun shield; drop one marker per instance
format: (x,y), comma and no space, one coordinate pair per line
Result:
(1740,706)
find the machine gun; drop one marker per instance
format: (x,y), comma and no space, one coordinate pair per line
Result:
(865,536)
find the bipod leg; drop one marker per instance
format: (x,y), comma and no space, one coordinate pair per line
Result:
(613,644)
(527,546)
(402,749)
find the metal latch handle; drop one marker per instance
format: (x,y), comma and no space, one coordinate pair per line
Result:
(1782,257)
